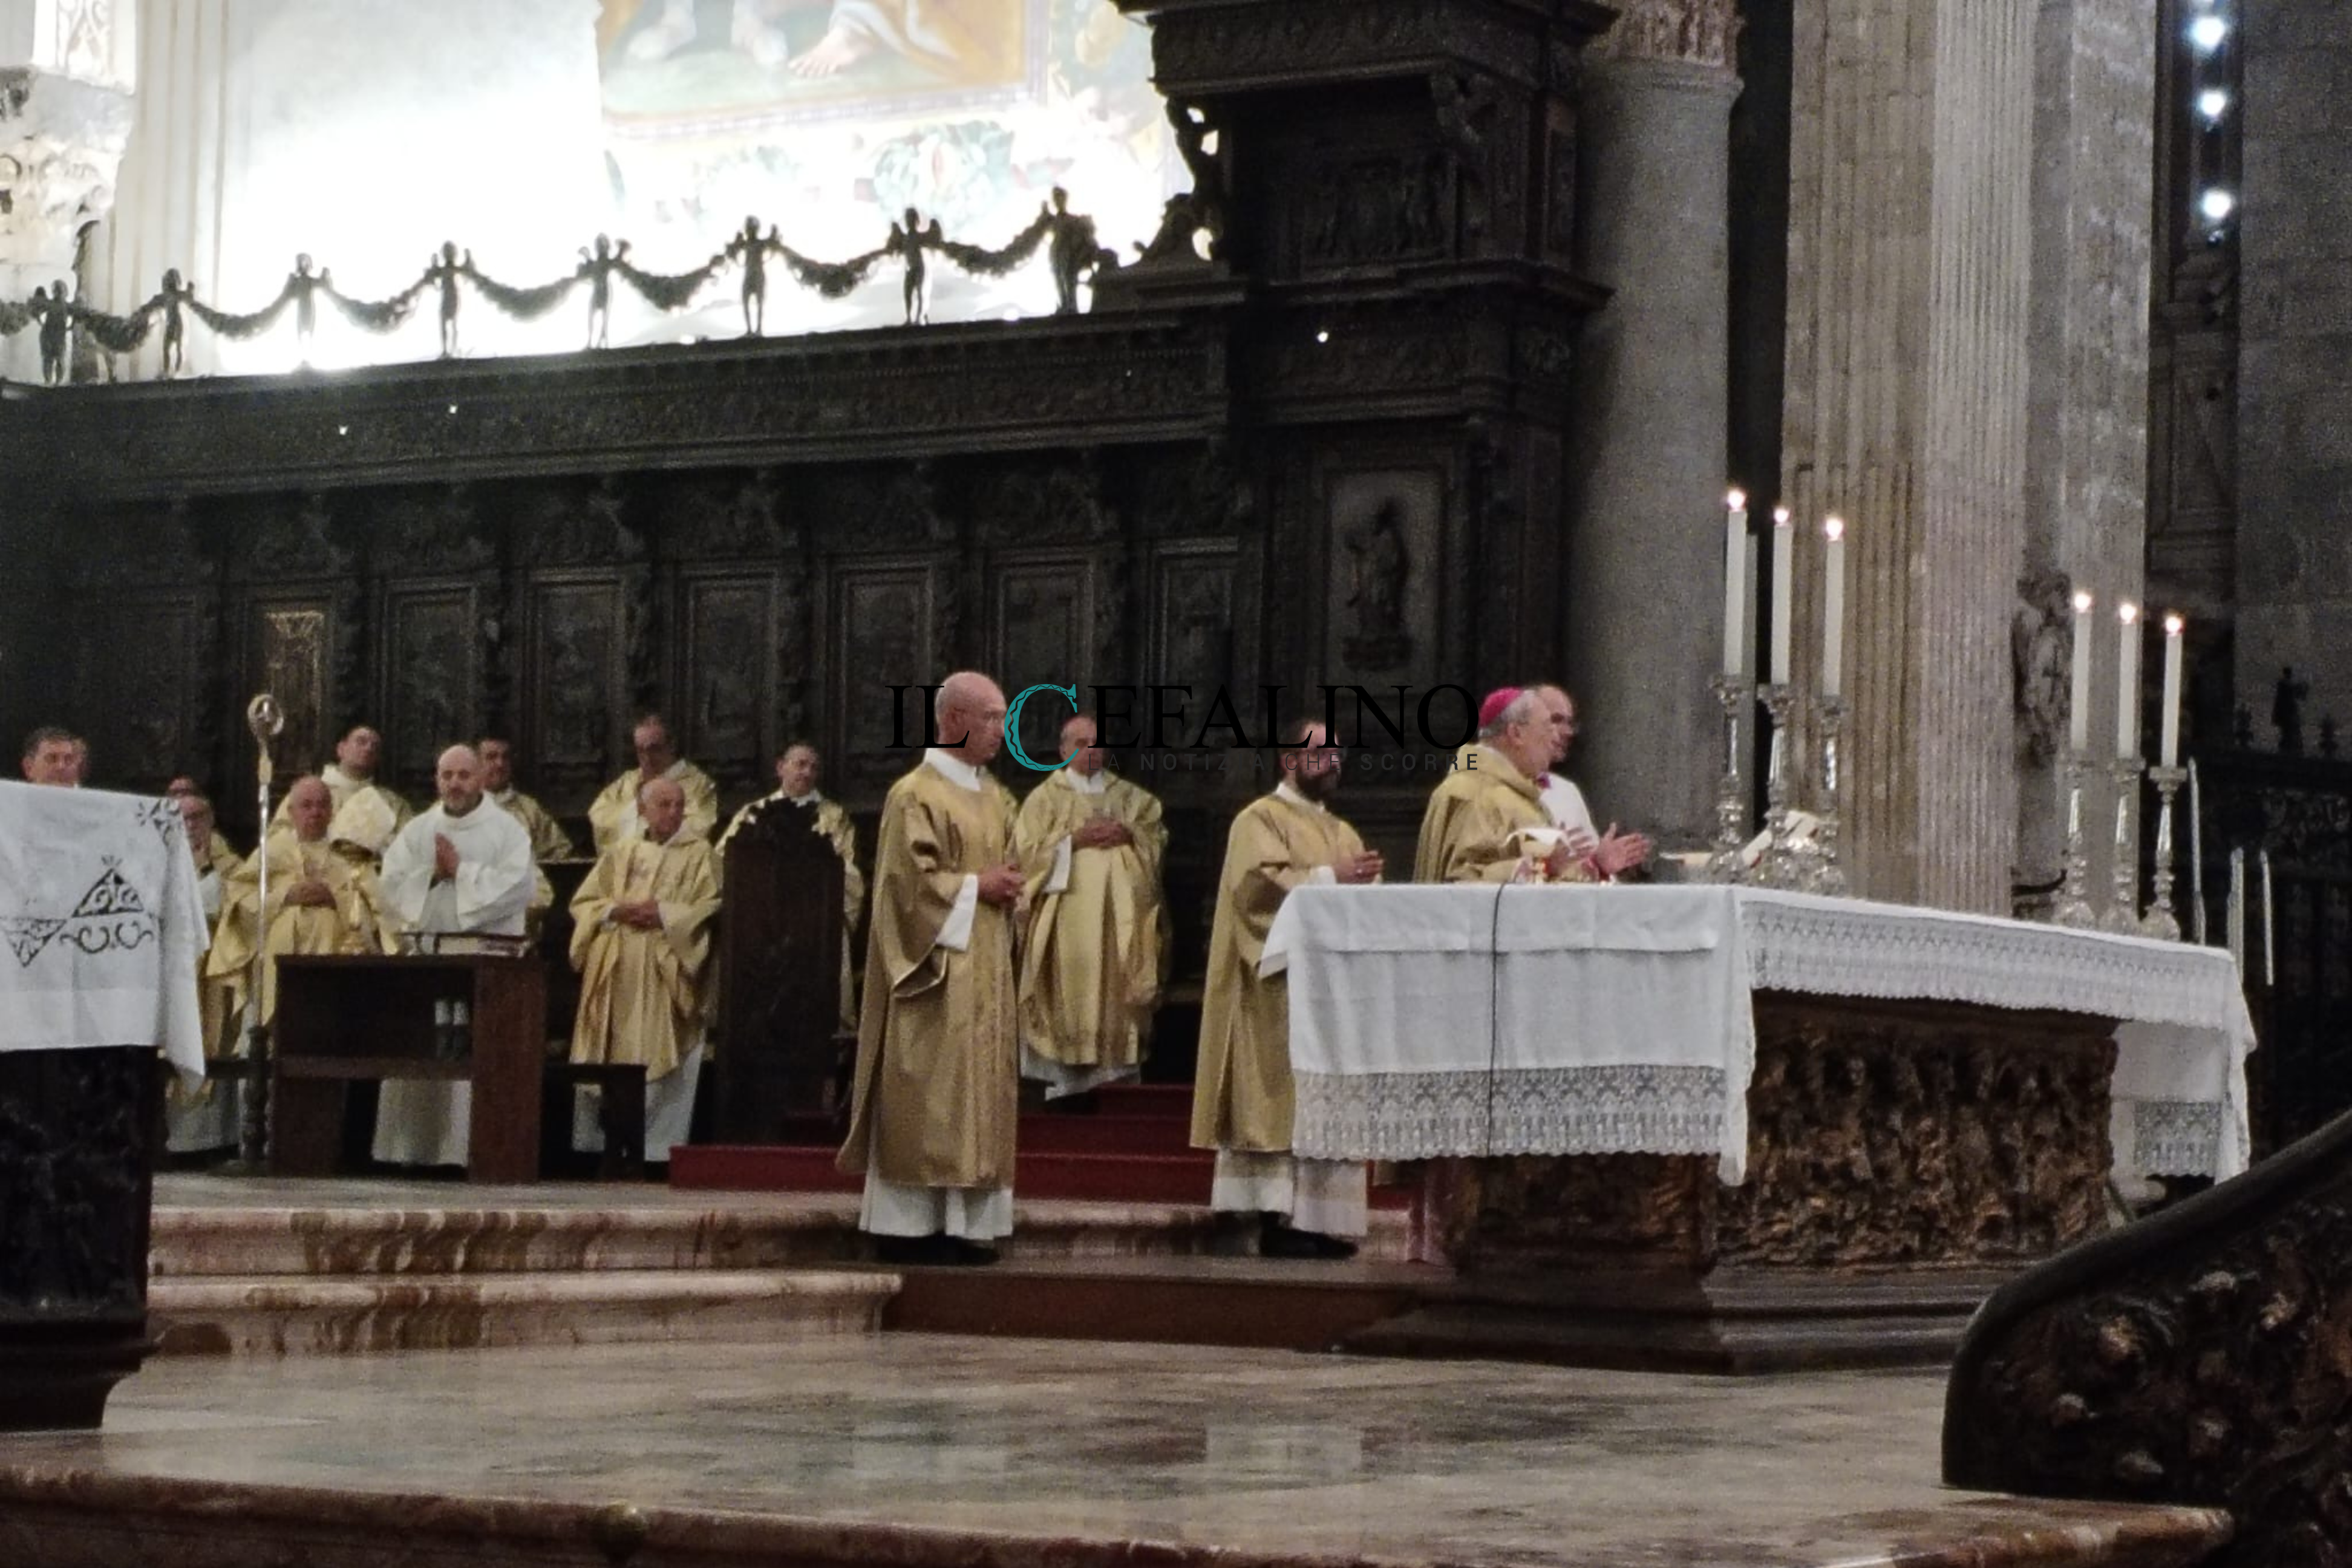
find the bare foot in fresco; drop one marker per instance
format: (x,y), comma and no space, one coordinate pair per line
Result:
(835,53)
(671,31)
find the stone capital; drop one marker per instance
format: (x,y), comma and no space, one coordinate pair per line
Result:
(61,144)
(1693,32)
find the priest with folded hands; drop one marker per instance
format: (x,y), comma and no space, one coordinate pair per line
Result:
(1487,822)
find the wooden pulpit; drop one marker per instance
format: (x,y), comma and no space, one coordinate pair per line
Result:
(779,976)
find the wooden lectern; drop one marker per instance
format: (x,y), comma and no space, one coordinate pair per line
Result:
(341,1020)
(780,983)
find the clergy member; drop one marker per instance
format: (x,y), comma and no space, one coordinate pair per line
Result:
(319,902)
(463,866)
(613,815)
(222,855)
(641,941)
(1608,855)
(548,839)
(1486,822)
(799,770)
(1090,961)
(54,756)
(203,1118)
(367,816)
(938,1087)
(1241,1093)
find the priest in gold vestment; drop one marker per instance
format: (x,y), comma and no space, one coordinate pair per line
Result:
(1091,844)
(548,839)
(1487,822)
(641,940)
(938,1080)
(202,1117)
(367,816)
(612,815)
(799,770)
(1242,1099)
(319,902)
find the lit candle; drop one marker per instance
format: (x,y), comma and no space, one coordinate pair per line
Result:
(2169,753)
(2078,728)
(1735,583)
(1833,607)
(2127,685)
(1748,598)
(1784,591)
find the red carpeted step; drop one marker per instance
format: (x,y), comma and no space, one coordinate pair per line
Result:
(1050,1132)
(1170,1100)
(1103,1178)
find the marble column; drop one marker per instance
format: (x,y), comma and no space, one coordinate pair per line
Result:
(1910,260)
(1644,544)
(2086,442)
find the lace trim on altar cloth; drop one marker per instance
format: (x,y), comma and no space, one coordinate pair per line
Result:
(2172,1138)
(1621,1109)
(1810,945)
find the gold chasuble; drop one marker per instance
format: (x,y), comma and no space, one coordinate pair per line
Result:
(1468,834)
(1090,964)
(354,922)
(1242,1091)
(939,1086)
(548,839)
(367,817)
(834,823)
(643,994)
(612,815)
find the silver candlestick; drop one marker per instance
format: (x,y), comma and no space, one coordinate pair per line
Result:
(267,720)
(2122,914)
(1779,867)
(2160,921)
(1737,695)
(2074,899)
(1823,874)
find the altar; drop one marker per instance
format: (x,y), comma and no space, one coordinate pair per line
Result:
(1741,1129)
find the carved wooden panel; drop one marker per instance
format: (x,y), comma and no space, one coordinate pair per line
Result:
(1041,628)
(574,693)
(288,652)
(881,629)
(429,675)
(1384,537)
(1190,640)
(726,694)
(141,682)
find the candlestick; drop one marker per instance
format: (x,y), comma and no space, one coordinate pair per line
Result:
(2269,933)
(1737,697)
(1784,591)
(1734,582)
(1833,609)
(2196,858)
(2234,924)
(2169,751)
(2123,869)
(2160,921)
(1823,874)
(2074,908)
(1778,867)
(2078,728)
(2127,683)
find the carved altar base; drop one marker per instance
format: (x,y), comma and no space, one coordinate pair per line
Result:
(76,1132)
(1905,1158)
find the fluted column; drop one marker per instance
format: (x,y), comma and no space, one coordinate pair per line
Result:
(1645,548)
(1909,269)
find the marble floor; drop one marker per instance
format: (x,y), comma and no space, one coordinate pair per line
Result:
(914,1450)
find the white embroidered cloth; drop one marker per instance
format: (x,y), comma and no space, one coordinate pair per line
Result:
(1471,1020)
(101,924)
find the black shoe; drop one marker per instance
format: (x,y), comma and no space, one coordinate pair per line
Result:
(1277,1239)
(1329,1246)
(915,1251)
(969,1254)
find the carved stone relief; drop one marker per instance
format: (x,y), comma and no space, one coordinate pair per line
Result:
(1385,528)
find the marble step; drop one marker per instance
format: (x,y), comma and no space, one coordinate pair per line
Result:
(367,1230)
(1182,1177)
(298,1315)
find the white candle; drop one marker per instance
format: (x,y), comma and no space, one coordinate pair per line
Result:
(2195,854)
(1748,598)
(1784,591)
(1833,607)
(2170,754)
(1735,583)
(2078,728)
(2233,928)
(2127,684)
(2270,942)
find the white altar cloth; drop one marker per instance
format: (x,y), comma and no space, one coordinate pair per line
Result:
(1476,1020)
(101,924)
